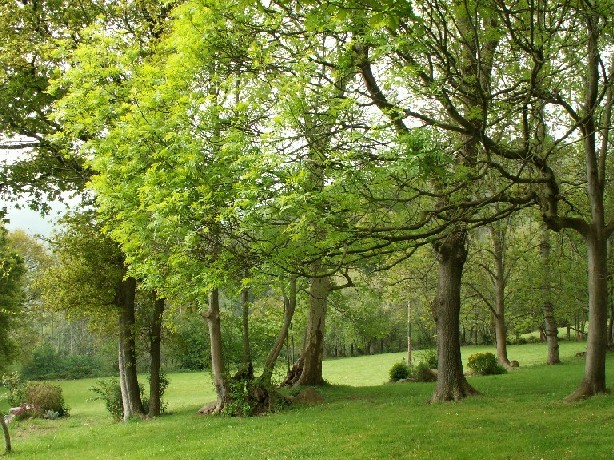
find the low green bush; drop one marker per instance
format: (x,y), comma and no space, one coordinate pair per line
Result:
(399,371)
(485,364)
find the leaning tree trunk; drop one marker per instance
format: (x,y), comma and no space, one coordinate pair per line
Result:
(218,368)
(155,340)
(131,394)
(290,307)
(451,383)
(550,327)
(7,436)
(313,349)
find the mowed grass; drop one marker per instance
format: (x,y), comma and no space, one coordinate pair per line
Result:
(519,415)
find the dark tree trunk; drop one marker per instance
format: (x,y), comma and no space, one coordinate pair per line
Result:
(7,436)
(451,383)
(131,394)
(313,350)
(247,370)
(155,340)
(218,368)
(550,326)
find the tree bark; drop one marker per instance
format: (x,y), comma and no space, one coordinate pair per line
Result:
(594,381)
(218,368)
(290,308)
(7,436)
(550,325)
(451,383)
(131,394)
(499,311)
(155,340)
(313,349)
(247,370)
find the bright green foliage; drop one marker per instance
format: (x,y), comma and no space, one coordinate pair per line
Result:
(485,364)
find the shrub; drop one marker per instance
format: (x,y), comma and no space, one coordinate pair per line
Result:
(399,371)
(422,372)
(485,364)
(46,397)
(429,357)
(16,387)
(110,392)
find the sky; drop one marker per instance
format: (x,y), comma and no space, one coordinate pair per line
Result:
(29,221)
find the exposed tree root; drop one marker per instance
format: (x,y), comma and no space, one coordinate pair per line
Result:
(585,391)
(456,392)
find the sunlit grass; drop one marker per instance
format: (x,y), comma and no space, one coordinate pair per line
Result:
(519,415)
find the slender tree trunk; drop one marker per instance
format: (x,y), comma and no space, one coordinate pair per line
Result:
(290,308)
(7,436)
(499,313)
(550,325)
(451,383)
(155,339)
(247,371)
(313,350)
(131,394)
(218,368)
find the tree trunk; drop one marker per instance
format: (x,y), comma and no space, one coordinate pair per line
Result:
(550,326)
(499,313)
(290,307)
(247,370)
(218,368)
(131,394)
(155,339)
(451,383)
(313,350)
(596,347)
(7,436)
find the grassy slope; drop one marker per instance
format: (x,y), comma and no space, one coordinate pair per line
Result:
(519,415)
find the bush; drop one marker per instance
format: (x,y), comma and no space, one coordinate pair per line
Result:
(47,364)
(110,392)
(422,373)
(16,387)
(429,357)
(399,371)
(46,397)
(485,364)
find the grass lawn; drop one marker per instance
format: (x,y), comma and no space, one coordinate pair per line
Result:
(519,415)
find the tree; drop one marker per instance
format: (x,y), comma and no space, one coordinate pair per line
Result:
(7,435)
(12,271)
(90,279)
